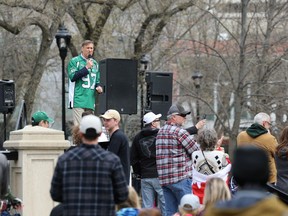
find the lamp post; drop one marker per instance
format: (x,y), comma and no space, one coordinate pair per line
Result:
(197,76)
(63,40)
(144,61)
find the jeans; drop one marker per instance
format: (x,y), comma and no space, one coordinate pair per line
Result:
(148,188)
(173,194)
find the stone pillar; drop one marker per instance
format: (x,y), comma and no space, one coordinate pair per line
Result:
(30,176)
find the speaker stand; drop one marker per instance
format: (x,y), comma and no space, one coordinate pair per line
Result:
(4,127)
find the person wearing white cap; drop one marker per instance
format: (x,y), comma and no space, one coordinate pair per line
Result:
(89,180)
(174,147)
(118,143)
(143,161)
(189,205)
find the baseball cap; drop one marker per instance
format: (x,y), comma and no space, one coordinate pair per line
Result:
(111,113)
(177,109)
(41,116)
(90,122)
(150,117)
(189,202)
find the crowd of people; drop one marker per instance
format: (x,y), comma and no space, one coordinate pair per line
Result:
(195,174)
(180,174)
(182,171)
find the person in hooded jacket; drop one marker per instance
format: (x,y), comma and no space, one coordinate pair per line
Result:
(143,161)
(258,134)
(281,159)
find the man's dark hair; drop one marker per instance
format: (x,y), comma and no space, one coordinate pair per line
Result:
(251,166)
(34,123)
(148,125)
(91,134)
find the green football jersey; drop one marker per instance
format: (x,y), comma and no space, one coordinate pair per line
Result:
(82,91)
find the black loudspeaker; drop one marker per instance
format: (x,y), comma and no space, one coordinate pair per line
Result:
(7,96)
(118,77)
(159,92)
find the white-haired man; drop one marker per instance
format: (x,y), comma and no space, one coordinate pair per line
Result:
(258,134)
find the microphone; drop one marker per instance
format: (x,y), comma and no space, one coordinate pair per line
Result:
(89,59)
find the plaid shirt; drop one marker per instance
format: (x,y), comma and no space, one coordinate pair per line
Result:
(89,181)
(174,146)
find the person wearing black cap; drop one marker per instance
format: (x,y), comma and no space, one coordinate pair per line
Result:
(89,180)
(174,147)
(251,171)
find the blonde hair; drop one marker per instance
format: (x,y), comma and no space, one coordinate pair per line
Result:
(149,212)
(216,189)
(76,135)
(188,212)
(132,201)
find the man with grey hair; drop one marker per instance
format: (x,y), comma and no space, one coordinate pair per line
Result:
(174,147)
(258,134)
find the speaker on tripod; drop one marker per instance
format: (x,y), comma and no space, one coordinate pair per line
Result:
(7,96)
(7,100)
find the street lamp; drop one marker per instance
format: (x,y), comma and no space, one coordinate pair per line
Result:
(197,76)
(63,40)
(144,61)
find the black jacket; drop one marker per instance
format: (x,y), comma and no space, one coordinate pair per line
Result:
(119,145)
(143,153)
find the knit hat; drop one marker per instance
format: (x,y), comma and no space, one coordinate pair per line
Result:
(90,122)
(250,166)
(177,109)
(189,202)
(41,116)
(150,117)
(111,113)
